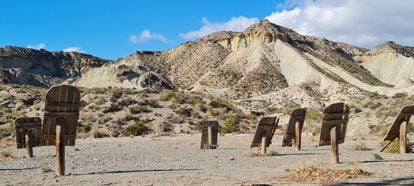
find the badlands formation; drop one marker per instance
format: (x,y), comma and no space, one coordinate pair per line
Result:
(266,69)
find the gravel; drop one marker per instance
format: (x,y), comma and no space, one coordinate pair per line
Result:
(177,160)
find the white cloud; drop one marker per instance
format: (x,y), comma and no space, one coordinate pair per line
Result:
(147,35)
(363,23)
(234,24)
(38,46)
(73,49)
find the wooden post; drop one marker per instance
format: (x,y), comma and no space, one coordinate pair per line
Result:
(403,137)
(298,137)
(263,146)
(210,137)
(334,144)
(28,142)
(60,149)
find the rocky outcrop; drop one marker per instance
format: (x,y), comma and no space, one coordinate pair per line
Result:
(391,63)
(43,68)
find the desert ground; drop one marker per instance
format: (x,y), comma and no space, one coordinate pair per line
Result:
(178,160)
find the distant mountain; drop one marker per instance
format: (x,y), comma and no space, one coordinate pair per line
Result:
(43,68)
(263,59)
(391,63)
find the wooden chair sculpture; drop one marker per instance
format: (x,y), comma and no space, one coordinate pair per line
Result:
(334,122)
(60,121)
(399,128)
(293,132)
(264,133)
(28,133)
(209,134)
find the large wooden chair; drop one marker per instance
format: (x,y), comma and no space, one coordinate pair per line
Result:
(60,121)
(399,128)
(264,133)
(334,123)
(293,131)
(28,133)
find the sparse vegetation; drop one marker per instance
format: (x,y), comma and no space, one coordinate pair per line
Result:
(136,129)
(323,175)
(377,157)
(97,132)
(360,147)
(394,146)
(230,124)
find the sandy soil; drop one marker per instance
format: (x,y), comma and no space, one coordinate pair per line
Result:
(177,160)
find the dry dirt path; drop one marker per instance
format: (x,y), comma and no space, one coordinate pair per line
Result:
(177,160)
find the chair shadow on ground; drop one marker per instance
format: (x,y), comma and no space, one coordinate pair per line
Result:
(298,154)
(384,161)
(19,169)
(132,171)
(397,181)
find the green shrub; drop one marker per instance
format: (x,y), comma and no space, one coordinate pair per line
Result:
(136,129)
(139,110)
(314,115)
(230,124)
(150,102)
(394,146)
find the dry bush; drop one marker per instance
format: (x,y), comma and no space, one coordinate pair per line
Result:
(139,110)
(360,147)
(136,129)
(99,100)
(150,102)
(324,175)
(7,155)
(97,132)
(258,154)
(6,131)
(378,130)
(314,115)
(113,108)
(230,124)
(394,146)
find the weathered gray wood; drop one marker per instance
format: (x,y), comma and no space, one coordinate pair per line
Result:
(263,146)
(394,131)
(291,137)
(28,143)
(60,150)
(403,138)
(335,115)
(298,136)
(209,134)
(61,102)
(266,127)
(334,122)
(24,125)
(334,144)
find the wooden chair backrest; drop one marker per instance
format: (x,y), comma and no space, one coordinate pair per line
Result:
(62,102)
(337,115)
(297,115)
(32,124)
(404,115)
(266,127)
(204,133)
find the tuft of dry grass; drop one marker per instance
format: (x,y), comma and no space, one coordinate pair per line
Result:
(6,155)
(360,147)
(97,132)
(394,146)
(258,154)
(325,175)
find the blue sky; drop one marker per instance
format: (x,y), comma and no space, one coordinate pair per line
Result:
(117,28)
(104,27)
